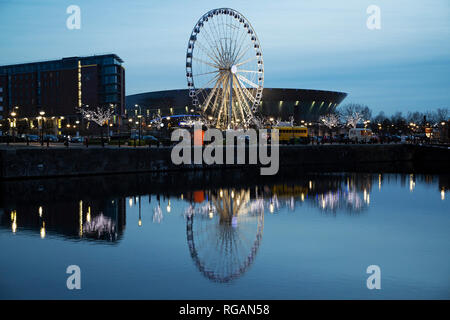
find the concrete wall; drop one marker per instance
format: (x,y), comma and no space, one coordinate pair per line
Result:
(37,162)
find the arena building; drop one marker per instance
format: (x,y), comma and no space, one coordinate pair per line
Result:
(281,104)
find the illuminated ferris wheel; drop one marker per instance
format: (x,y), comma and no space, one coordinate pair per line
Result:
(225,69)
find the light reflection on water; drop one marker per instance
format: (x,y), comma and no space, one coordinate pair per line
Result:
(221,230)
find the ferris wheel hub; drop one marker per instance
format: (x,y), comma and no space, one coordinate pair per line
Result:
(233,69)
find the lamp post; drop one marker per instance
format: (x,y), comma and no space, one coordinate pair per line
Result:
(42,113)
(77,127)
(140,125)
(13,124)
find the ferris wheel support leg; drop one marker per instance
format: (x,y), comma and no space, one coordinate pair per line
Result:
(230,115)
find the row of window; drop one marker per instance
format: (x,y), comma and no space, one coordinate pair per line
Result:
(109,70)
(109,79)
(30,68)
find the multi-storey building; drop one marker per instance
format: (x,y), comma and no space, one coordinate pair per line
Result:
(60,87)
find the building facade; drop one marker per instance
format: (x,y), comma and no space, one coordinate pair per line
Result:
(60,87)
(302,104)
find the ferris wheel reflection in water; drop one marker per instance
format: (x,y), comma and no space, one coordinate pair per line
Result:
(224,234)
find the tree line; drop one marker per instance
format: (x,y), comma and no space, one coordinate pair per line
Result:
(354,114)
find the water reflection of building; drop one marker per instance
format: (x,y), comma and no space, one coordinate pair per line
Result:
(329,193)
(84,219)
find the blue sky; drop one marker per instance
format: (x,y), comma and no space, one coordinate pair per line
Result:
(313,44)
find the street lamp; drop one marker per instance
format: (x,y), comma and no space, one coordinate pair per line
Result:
(140,125)
(13,124)
(42,113)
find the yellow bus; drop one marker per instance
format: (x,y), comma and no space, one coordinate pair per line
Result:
(292,134)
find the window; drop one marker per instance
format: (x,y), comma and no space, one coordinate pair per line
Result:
(111,98)
(111,88)
(110,69)
(109,79)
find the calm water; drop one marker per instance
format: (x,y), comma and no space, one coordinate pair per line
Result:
(307,237)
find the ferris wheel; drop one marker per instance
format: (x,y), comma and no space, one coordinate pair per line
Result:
(225,68)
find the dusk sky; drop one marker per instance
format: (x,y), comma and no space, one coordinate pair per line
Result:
(320,44)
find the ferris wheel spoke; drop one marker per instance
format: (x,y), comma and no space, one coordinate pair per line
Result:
(246,61)
(206,85)
(244,79)
(214,106)
(243,36)
(225,95)
(246,71)
(224,113)
(234,36)
(233,112)
(214,47)
(218,35)
(241,44)
(205,73)
(238,96)
(224,36)
(242,98)
(212,93)
(241,53)
(246,97)
(219,103)
(207,63)
(210,54)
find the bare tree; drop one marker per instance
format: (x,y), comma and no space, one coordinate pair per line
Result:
(414,117)
(330,120)
(100,116)
(291,120)
(354,113)
(442,114)
(156,121)
(380,118)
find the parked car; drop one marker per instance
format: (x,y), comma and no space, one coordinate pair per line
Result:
(149,139)
(77,139)
(374,139)
(51,138)
(165,141)
(33,138)
(302,140)
(395,138)
(342,138)
(61,138)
